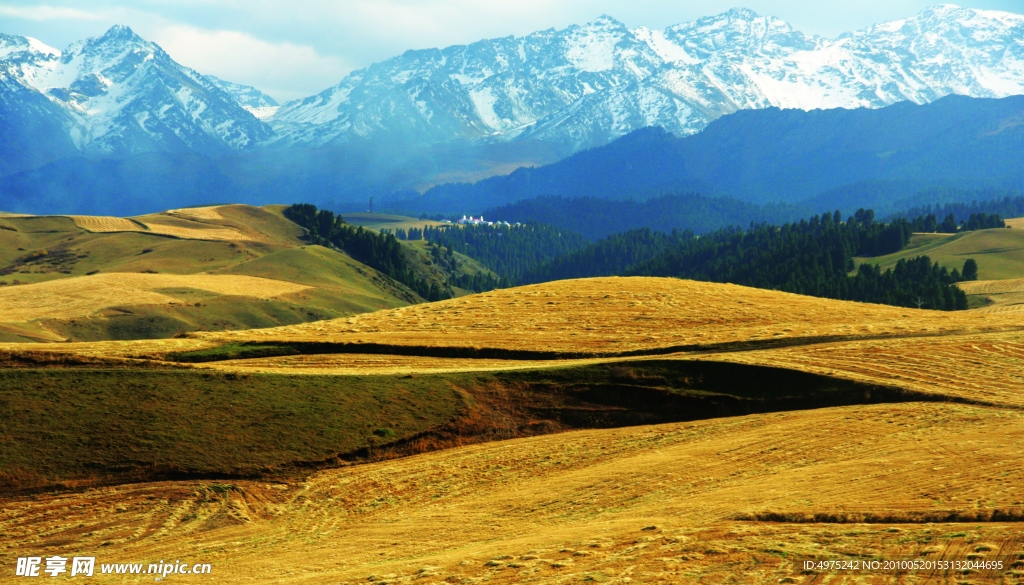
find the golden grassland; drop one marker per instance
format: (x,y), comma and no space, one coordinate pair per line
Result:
(1015,223)
(368,364)
(113,349)
(656,504)
(198,224)
(224,234)
(194,224)
(997,296)
(615,315)
(198,212)
(106,224)
(724,500)
(982,367)
(87,295)
(991,287)
(218,223)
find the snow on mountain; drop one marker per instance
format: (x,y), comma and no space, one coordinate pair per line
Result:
(247,96)
(25,46)
(571,89)
(585,85)
(122,95)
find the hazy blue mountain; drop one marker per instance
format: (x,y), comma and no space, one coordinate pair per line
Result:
(596,218)
(782,155)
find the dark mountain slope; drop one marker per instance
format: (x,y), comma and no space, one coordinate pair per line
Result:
(781,155)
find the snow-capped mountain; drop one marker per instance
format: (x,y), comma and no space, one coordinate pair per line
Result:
(253,100)
(569,89)
(585,85)
(118,94)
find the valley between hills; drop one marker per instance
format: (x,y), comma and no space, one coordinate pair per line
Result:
(610,430)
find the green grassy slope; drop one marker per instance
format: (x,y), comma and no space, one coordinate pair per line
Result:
(344,285)
(998,252)
(379,221)
(74,427)
(65,426)
(37,249)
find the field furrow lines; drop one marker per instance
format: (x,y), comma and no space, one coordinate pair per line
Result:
(106,224)
(85,295)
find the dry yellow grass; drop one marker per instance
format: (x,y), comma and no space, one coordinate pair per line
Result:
(200,213)
(1006,296)
(86,295)
(112,349)
(651,504)
(655,504)
(105,224)
(610,315)
(991,287)
(1015,223)
(986,367)
(370,364)
(196,233)
(1012,305)
(195,227)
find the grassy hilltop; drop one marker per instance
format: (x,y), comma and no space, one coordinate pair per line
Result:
(204,269)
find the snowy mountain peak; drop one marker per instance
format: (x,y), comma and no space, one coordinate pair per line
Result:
(247,96)
(120,94)
(120,33)
(951,15)
(587,84)
(740,13)
(606,22)
(10,44)
(943,11)
(118,39)
(573,88)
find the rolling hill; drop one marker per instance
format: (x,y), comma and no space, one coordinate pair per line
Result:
(701,431)
(92,278)
(998,252)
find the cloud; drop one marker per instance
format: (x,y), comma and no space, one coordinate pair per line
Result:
(283,70)
(42,13)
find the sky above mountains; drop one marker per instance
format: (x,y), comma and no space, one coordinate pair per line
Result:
(295,48)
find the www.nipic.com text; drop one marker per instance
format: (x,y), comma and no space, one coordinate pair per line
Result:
(86,567)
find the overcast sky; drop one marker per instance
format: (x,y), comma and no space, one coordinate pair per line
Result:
(296,48)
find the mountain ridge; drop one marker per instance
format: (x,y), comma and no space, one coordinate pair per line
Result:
(609,80)
(775,155)
(118,95)
(440,115)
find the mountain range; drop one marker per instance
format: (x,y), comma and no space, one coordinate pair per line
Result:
(822,158)
(120,104)
(586,85)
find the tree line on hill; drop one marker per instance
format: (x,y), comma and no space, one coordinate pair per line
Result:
(964,203)
(813,257)
(930,224)
(382,252)
(510,251)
